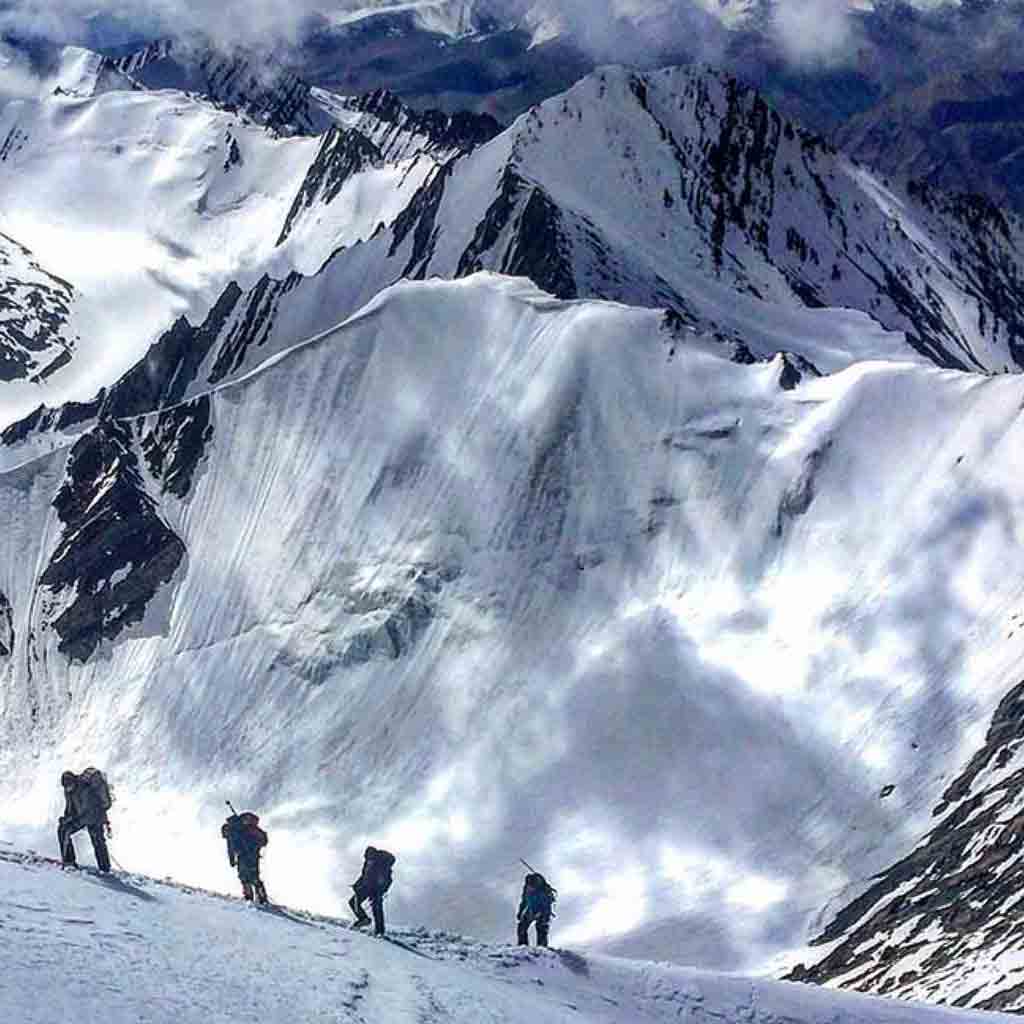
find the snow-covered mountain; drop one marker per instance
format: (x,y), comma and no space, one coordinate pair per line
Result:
(482,574)
(131,949)
(677,189)
(944,923)
(167,196)
(609,491)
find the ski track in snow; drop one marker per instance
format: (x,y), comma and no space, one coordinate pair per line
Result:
(127,949)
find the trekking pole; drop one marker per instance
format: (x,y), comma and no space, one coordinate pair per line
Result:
(532,870)
(231,808)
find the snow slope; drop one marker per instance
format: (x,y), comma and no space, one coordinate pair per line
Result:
(129,949)
(163,199)
(481,574)
(166,196)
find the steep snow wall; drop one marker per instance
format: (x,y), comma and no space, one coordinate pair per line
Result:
(481,574)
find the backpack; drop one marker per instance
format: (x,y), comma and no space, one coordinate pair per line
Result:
(100,792)
(538,896)
(379,869)
(244,836)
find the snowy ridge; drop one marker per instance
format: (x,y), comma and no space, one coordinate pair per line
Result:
(183,192)
(400,132)
(164,952)
(678,189)
(412,524)
(252,84)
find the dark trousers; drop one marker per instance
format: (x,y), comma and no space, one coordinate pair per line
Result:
(254,890)
(67,827)
(249,876)
(540,920)
(376,907)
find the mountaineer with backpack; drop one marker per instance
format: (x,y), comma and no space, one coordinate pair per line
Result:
(87,798)
(245,840)
(371,885)
(535,907)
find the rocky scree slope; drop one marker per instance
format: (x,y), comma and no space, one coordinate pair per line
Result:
(945,923)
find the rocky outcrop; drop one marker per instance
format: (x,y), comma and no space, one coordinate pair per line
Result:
(343,153)
(115,551)
(6,627)
(538,247)
(36,338)
(398,131)
(934,925)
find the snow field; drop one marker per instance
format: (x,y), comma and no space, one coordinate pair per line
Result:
(127,949)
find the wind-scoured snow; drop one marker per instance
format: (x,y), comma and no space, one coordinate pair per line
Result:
(162,201)
(481,574)
(127,948)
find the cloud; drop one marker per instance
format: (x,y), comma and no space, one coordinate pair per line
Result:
(806,32)
(17,78)
(621,29)
(812,32)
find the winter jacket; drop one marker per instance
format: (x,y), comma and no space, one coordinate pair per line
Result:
(82,806)
(537,899)
(245,841)
(376,874)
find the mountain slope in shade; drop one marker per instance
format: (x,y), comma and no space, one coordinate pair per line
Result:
(347,584)
(961,132)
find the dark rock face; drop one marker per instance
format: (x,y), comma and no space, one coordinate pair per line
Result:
(35,309)
(538,249)
(794,369)
(172,363)
(115,552)
(419,218)
(932,922)
(249,325)
(175,446)
(255,86)
(342,154)
(43,419)
(392,125)
(6,627)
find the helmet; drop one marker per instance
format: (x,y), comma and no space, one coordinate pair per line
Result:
(371,851)
(68,779)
